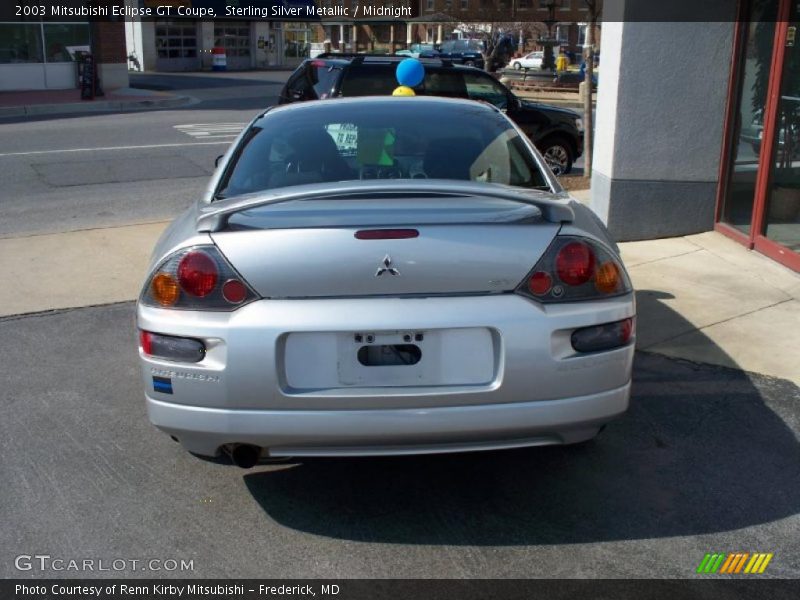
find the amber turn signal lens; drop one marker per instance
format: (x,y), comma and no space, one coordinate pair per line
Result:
(607,278)
(165,289)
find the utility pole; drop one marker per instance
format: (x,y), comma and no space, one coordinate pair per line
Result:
(588,54)
(588,120)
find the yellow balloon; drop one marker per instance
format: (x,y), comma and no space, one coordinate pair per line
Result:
(403,90)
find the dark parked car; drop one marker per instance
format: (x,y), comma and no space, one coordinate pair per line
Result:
(462,52)
(557,132)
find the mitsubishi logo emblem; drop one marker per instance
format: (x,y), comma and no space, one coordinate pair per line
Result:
(387,267)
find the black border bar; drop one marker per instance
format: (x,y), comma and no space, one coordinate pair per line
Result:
(702,588)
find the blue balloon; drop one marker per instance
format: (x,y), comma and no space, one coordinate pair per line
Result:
(410,72)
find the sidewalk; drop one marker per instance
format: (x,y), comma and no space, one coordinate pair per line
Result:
(702,297)
(48,102)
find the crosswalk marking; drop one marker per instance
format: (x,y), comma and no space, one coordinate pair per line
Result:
(204,131)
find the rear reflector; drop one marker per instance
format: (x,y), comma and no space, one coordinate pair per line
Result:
(386,234)
(603,337)
(234,291)
(171,348)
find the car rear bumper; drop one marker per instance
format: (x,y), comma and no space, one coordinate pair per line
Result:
(282,374)
(384,432)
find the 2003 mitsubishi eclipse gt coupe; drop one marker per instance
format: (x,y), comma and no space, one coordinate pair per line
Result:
(384,276)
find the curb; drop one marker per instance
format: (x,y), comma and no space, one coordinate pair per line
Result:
(94,106)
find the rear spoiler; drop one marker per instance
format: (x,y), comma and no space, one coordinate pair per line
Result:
(214,216)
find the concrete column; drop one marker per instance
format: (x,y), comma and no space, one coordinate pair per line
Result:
(341,39)
(659,126)
(439,34)
(409,34)
(354,43)
(205,43)
(149,52)
(261,55)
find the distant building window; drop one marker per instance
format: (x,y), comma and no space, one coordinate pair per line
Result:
(523,4)
(464,4)
(448,4)
(22,43)
(430,5)
(566,4)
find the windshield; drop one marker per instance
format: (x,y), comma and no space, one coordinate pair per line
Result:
(403,139)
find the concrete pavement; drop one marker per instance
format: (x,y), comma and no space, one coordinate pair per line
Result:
(701,298)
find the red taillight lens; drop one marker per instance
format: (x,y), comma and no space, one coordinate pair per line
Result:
(540,283)
(146,342)
(197,273)
(234,291)
(575,263)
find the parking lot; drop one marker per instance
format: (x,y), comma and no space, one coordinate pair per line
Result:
(707,459)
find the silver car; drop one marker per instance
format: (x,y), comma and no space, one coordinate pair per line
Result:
(380,276)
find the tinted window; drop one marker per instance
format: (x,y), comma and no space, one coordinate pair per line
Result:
(312,82)
(401,139)
(485,88)
(369,80)
(445,82)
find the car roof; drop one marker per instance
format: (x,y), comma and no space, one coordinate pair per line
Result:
(380,59)
(361,103)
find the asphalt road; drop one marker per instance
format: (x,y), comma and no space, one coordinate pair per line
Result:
(64,173)
(707,460)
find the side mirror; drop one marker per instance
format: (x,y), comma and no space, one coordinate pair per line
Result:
(216,160)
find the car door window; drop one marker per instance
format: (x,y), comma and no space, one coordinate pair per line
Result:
(484,87)
(443,82)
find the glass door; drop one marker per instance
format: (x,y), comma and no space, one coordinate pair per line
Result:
(759,196)
(779,227)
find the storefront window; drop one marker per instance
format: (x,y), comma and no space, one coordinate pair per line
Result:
(20,43)
(63,41)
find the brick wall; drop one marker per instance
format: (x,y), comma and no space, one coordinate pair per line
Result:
(108,39)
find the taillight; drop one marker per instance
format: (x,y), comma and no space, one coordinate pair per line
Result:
(171,348)
(196,278)
(575,263)
(197,273)
(575,268)
(603,337)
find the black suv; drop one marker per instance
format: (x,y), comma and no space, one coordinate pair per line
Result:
(557,132)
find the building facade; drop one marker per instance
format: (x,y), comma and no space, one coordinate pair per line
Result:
(698,128)
(38,55)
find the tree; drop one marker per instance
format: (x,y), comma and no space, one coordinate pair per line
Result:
(588,53)
(494,23)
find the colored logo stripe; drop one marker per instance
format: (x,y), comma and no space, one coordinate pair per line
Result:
(735,562)
(162,384)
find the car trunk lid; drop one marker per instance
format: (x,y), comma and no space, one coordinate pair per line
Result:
(311,249)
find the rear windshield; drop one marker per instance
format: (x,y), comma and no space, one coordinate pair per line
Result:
(403,139)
